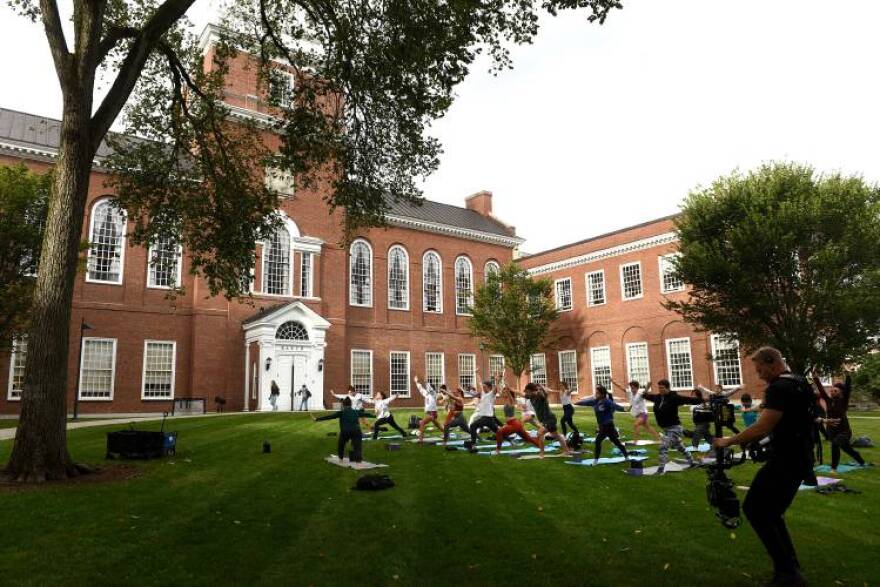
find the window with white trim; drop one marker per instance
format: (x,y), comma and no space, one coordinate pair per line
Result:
(164,264)
(398,278)
(596,288)
(276,264)
(538,368)
(496,366)
(305,275)
(158,377)
(725,359)
(279,181)
(492,268)
(432,283)
(464,286)
(434,369)
(362,371)
(281,87)
(467,371)
(678,357)
(637,365)
(399,370)
(568,369)
(360,274)
(106,244)
(16,368)
(631,280)
(292,330)
(97,369)
(563,294)
(600,362)
(669,280)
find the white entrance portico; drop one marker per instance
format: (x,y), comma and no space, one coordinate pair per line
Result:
(291,340)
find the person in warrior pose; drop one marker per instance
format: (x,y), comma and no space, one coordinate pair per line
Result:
(604,406)
(537,394)
(484,415)
(666,404)
(513,425)
(430,394)
(638,407)
(837,422)
(381,404)
(357,401)
(454,412)
(349,429)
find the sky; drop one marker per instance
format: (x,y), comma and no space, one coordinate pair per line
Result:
(601,127)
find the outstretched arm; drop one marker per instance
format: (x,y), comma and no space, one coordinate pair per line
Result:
(819,387)
(847,388)
(337,396)
(618,407)
(333,416)
(590,401)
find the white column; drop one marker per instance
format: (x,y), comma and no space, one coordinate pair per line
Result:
(260,362)
(247,384)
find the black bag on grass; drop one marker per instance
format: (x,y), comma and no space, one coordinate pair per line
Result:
(374,483)
(414,422)
(862,442)
(575,440)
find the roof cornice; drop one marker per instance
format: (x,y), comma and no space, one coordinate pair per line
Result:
(615,251)
(447,229)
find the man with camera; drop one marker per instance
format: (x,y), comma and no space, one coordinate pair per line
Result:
(786,420)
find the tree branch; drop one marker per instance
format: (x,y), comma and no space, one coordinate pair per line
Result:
(144,44)
(115,34)
(57,43)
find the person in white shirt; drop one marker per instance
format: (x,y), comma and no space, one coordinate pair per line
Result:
(381,405)
(357,402)
(565,394)
(485,412)
(638,407)
(430,394)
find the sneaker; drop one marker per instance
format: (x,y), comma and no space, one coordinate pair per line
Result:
(794,579)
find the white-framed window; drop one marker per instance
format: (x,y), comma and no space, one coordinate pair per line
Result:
(496,365)
(97,369)
(467,370)
(432,283)
(399,373)
(631,280)
(306,269)
(282,83)
(600,362)
(279,181)
(17,361)
(158,374)
(464,286)
(398,278)
(362,371)
(492,268)
(292,330)
(637,365)
(596,288)
(563,294)
(678,358)
(435,370)
(568,369)
(669,280)
(106,244)
(277,274)
(360,273)
(725,360)
(538,368)
(164,264)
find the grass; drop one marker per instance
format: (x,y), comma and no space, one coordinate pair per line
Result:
(8,423)
(222,513)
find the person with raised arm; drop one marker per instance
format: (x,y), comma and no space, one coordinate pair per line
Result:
(638,407)
(513,425)
(484,415)
(604,405)
(837,422)
(382,406)
(567,421)
(357,401)
(430,394)
(537,394)
(666,404)
(349,429)
(454,412)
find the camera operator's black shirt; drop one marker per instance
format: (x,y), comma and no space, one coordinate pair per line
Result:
(791,438)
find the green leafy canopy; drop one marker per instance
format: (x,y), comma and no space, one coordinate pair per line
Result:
(787,257)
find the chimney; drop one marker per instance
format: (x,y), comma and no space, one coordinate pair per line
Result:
(481,203)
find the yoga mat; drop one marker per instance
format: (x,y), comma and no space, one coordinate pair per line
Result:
(395,437)
(604,461)
(519,451)
(642,442)
(702,448)
(823,482)
(847,468)
(648,471)
(346,464)
(556,455)
(635,451)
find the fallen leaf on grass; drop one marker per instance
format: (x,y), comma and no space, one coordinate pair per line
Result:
(733,535)
(666,567)
(746,575)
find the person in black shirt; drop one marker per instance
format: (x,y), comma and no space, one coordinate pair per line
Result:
(666,404)
(349,429)
(788,418)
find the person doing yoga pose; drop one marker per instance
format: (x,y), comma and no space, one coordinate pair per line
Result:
(484,415)
(454,412)
(349,429)
(839,431)
(383,413)
(666,404)
(604,406)
(513,425)
(537,394)
(638,407)
(430,394)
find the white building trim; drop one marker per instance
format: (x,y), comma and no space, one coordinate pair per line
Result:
(466,233)
(616,251)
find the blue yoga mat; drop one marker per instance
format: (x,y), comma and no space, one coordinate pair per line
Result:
(604,461)
(632,451)
(847,468)
(702,448)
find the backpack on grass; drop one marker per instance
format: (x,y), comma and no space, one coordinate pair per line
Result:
(374,483)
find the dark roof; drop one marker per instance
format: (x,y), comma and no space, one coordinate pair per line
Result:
(440,213)
(263,312)
(597,237)
(31,131)
(36,132)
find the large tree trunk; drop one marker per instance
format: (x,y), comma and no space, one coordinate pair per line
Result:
(40,451)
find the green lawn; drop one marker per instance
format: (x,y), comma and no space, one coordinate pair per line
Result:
(8,423)
(222,513)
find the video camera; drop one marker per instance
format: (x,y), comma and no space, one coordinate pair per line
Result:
(719,488)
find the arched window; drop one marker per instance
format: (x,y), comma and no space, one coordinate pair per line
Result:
(492,268)
(276,264)
(398,278)
(107,238)
(464,286)
(360,274)
(432,282)
(292,331)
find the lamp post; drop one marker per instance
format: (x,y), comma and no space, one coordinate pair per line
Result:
(82,328)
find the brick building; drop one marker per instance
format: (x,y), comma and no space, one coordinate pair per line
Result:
(609,290)
(389,306)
